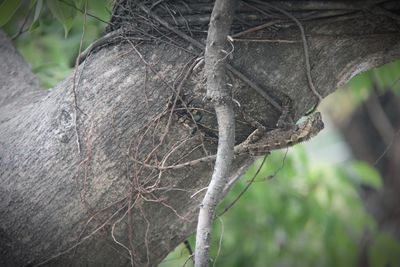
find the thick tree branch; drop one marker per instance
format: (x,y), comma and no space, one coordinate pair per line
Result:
(221,97)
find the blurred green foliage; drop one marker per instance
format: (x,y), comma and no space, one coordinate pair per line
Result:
(45,43)
(297,213)
(385,251)
(381,79)
(7,10)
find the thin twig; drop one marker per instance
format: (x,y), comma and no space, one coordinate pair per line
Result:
(387,148)
(127,212)
(305,48)
(198,191)
(246,188)
(379,119)
(84,11)
(264,40)
(21,29)
(189,249)
(201,46)
(237,175)
(188,259)
(257,28)
(219,242)
(85,238)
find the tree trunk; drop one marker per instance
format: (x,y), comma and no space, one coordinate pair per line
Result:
(81,190)
(378,119)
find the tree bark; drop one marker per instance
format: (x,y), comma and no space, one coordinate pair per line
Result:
(103,207)
(220,95)
(378,119)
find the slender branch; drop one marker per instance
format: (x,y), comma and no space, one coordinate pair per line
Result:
(218,93)
(76,81)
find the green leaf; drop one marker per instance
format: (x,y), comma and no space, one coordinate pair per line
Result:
(78,3)
(34,25)
(38,9)
(368,175)
(32,4)
(7,10)
(64,12)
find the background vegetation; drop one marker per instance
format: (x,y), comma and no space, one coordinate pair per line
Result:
(298,212)
(303,208)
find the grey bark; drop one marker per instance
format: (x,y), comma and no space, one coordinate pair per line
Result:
(49,193)
(220,95)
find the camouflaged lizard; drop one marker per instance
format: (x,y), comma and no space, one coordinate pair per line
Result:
(260,142)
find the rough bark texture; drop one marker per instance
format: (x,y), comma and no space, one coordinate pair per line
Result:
(220,95)
(51,196)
